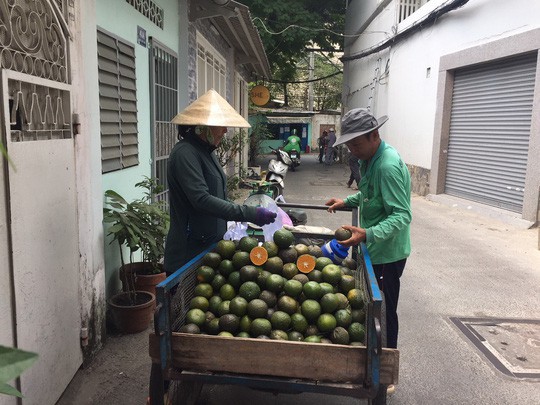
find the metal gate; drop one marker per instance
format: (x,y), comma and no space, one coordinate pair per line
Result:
(164,105)
(40,197)
(489,132)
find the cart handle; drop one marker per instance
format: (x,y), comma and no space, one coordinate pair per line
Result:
(310,206)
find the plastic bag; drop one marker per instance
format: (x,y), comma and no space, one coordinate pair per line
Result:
(235,230)
(262,200)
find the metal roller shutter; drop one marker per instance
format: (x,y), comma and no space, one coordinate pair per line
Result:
(489,132)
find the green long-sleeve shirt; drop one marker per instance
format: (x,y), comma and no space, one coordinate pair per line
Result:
(384,199)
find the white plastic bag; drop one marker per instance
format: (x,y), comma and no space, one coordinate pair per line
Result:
(262,200)
(235,230)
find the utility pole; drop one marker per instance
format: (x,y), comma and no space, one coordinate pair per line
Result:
(311,77)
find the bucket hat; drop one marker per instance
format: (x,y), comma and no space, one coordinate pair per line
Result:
(211,110)
(357,122)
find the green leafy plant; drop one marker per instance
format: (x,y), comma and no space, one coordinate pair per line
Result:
(141,225)
(233,185)
(12,363)
(3,151)
(230,147)
(259,132)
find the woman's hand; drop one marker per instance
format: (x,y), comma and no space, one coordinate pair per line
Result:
(264,216)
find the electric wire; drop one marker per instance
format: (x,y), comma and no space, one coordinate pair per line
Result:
(432,17)
(315,29)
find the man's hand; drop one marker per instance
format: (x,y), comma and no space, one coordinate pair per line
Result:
(334,203)
(358,235)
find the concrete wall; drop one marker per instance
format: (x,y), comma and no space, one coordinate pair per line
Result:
(323,119)
(89,180)
(403,81)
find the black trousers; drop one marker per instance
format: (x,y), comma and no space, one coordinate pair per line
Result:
(388,275)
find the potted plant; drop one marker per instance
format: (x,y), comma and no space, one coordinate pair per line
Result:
(141,226)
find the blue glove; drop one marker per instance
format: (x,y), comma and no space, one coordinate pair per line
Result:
(264,216)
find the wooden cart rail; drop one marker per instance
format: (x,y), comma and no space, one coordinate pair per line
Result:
(315,361)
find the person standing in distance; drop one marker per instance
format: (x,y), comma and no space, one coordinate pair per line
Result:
(355,171)
(197,184)
(321,143)
(330,149)
(384,199)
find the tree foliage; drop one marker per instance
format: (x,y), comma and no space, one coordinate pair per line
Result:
(289,28)
(328,91)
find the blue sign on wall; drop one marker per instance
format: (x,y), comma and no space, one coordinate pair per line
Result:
(141,36)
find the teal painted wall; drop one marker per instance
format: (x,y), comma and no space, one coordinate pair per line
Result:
(121,19)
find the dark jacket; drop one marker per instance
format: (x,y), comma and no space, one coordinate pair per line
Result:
(198,203)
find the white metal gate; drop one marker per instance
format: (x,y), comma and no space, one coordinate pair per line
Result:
(489,132)
(40,204)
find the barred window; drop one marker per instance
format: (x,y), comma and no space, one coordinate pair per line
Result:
(407,7)
(150,10)
(210,68)
(117,103)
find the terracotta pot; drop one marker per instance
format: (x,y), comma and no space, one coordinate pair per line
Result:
(143,282)
(132,318)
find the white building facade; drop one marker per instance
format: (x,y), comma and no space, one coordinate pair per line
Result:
(460,81)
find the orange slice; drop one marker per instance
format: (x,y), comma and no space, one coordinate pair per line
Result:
(258,255)
(305,263)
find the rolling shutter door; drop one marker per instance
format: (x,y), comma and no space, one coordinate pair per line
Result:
(489,132)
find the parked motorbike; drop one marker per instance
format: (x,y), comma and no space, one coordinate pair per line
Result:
(273,184)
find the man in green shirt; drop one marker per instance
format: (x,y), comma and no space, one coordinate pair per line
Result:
(293,143)
(384,199)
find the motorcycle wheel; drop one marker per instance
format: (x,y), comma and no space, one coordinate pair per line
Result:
(293,167)
(276,190)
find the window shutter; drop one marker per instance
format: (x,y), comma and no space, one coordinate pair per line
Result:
(117,103)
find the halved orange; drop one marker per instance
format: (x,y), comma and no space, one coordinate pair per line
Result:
(305,263)
(258,255)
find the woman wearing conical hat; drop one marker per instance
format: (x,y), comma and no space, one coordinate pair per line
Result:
(197,184)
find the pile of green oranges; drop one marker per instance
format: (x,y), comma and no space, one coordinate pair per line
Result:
(251,290)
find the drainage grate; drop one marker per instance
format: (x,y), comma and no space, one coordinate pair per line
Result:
(511,345)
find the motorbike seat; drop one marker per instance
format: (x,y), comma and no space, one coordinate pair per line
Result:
(298,216)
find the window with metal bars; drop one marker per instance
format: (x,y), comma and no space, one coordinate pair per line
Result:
(164,102)
(117,103)
(407,7)
(150,10)
(210,69)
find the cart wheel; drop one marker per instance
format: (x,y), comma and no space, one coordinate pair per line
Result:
(157,390)
(184,392)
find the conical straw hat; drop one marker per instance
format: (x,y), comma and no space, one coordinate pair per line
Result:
(212,110)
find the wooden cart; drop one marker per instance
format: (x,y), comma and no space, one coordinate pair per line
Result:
(272,365)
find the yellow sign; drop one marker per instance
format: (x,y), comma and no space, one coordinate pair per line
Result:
(260,95)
